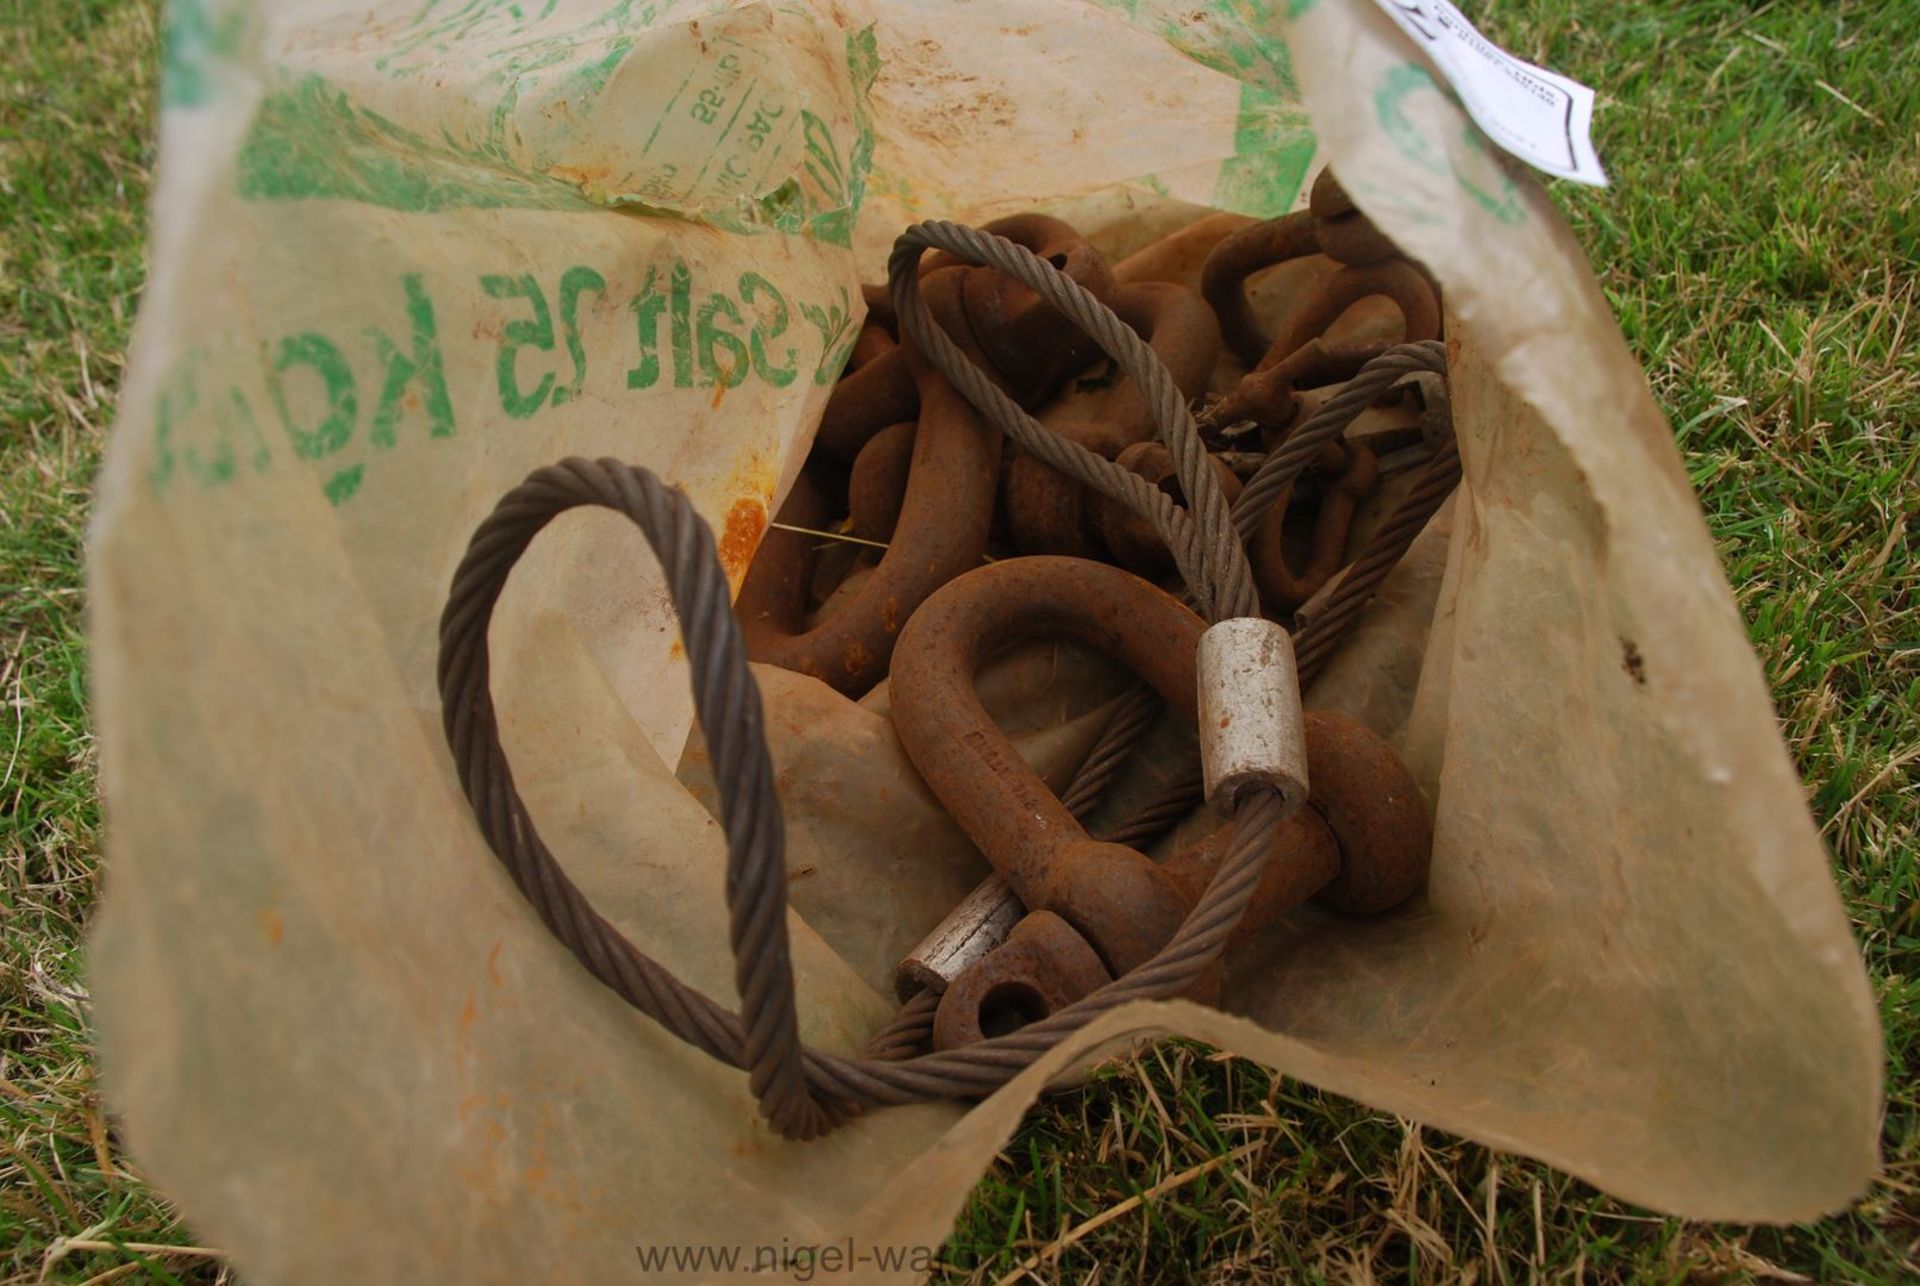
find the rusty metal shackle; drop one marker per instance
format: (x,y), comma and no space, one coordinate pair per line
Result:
(1396,280)
(1343,232)
(1370,265)
(877,487)
(877,388)
(1179,256)
(1239,256)
(1361,846)
(1130,538)
(1044,965)
(1047,512)
(1300,356)
(1347,473)
(1270,395)
(941,532)
(1028,343)
(1125,905)
(877,484)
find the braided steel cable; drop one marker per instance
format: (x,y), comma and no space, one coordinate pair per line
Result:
(767,1045)
(804,1092)
(1285,462)
(1153,818)
(1129,722)
(908,1032)
(1200,535)
(1316,641)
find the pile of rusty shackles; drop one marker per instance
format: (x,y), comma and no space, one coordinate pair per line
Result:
(958,549)
(940,498)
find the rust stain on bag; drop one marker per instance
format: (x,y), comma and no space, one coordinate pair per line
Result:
(746,520)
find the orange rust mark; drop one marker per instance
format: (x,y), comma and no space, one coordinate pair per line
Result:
(493,961)
(677,650)
(272,927)
(469,1015)
(745,523)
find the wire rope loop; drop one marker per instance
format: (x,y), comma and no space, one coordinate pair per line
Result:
(727,703)
(802,1092)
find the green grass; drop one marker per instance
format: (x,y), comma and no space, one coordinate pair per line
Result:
(76,120)
(1761,244)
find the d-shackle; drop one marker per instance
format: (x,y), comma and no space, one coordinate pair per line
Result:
(1347,473)
(1370,265)
(1361,846)
(1028,344)
(1123,903)
(941,532)
(1048,512)
(877,388)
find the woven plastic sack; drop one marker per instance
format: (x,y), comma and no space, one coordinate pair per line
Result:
(405,252)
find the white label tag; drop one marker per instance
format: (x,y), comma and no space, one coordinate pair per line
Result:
(1538,115)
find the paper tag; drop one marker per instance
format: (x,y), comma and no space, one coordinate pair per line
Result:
(1538,115)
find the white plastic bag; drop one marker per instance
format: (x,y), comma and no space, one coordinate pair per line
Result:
(404,253)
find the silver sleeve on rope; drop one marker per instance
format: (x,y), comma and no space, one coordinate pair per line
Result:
(1251,729)
(981,922)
